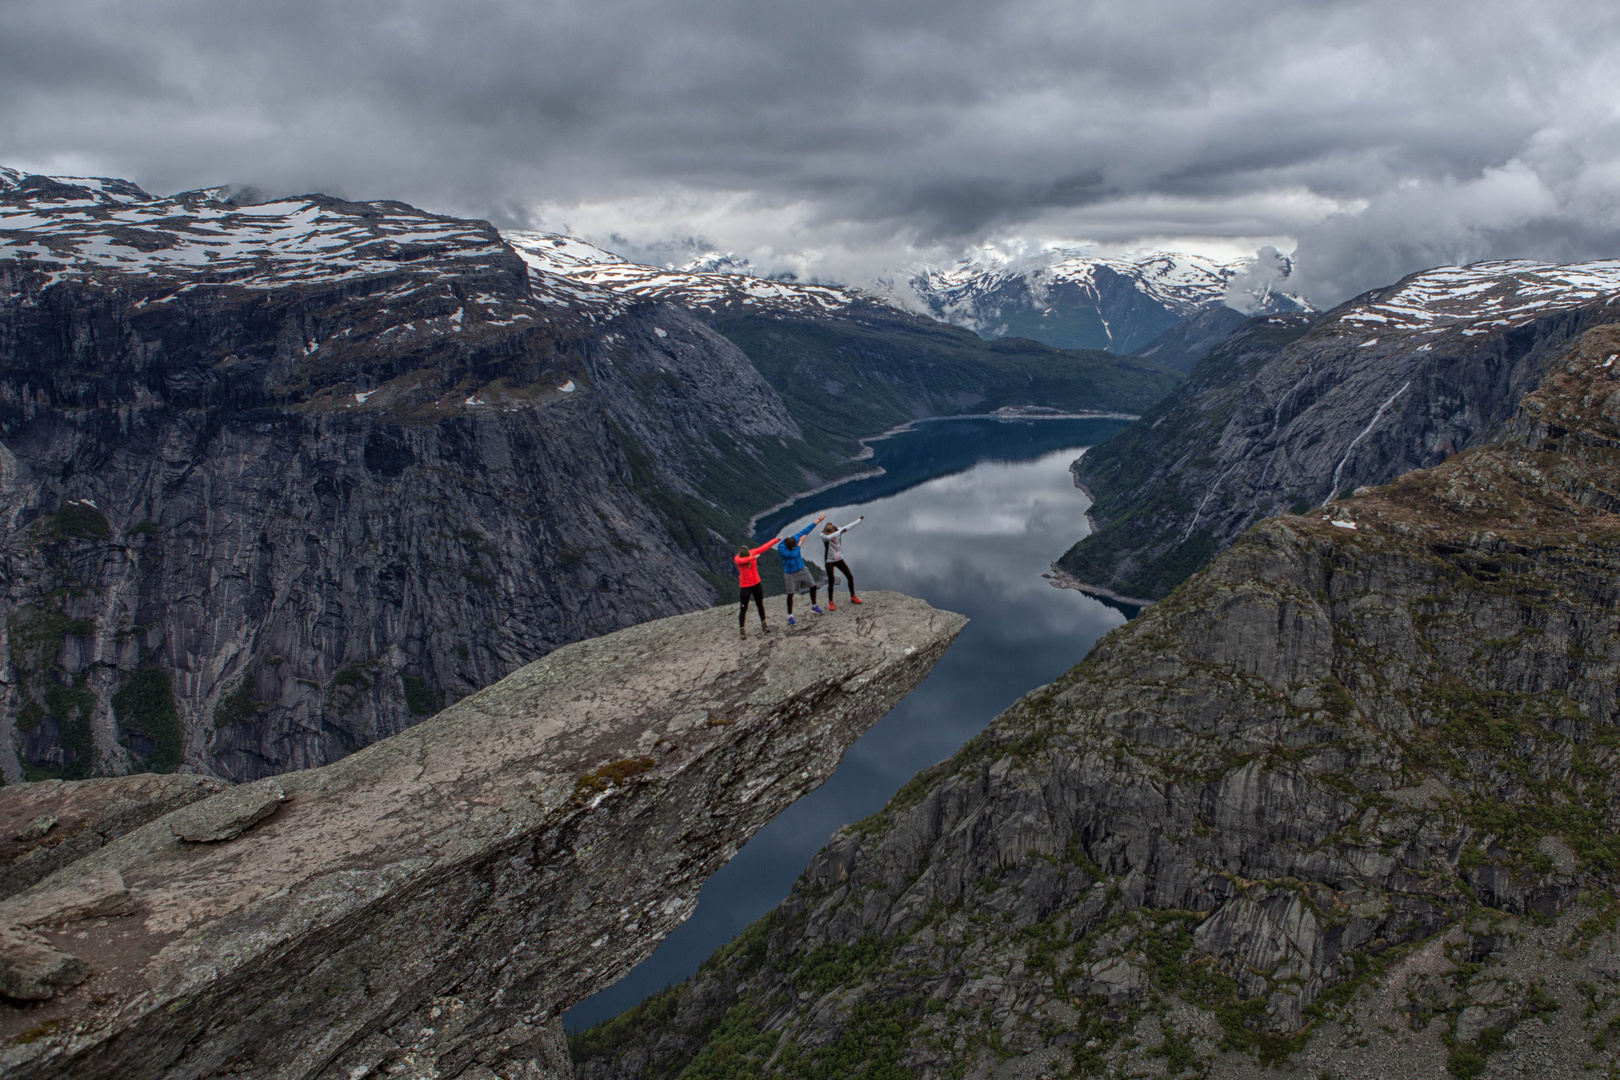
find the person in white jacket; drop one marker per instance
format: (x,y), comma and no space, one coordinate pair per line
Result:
(833,552)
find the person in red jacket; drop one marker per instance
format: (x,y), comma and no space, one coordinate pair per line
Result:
(749,586)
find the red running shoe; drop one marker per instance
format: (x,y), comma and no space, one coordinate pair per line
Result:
(831,606)
(854,599)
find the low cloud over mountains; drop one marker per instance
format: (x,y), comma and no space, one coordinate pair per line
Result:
(845,141)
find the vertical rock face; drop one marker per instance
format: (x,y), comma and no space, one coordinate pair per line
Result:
(432,903)
(1288,413)
(1349,794)
(281,480)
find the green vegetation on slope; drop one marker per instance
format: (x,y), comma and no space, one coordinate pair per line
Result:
(848,378)
(146,706)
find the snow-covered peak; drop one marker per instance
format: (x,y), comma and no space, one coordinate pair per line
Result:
(1183,283)
(1484,295)
(68,190)
(1070,296)
(552,256)
(717,262)
(74,226)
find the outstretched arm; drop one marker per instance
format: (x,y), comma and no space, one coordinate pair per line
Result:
(845,529)
(763,548)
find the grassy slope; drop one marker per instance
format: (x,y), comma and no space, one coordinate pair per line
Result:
(863,374)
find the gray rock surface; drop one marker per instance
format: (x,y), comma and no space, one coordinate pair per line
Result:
(229,814)
(32,970)
(432,903)
(85,814)
(1344,801)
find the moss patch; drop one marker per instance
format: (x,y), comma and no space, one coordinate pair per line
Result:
(146,705)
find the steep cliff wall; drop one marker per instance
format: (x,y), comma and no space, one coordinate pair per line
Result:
(1288,413)
(432,903)
(1347,798)
(291,493)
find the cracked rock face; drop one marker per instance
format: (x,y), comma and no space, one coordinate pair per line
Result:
(1347,798)
(82,815)
(436,900)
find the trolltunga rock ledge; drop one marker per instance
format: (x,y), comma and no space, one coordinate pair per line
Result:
(435,901)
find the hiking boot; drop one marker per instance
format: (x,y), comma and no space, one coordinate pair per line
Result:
(854,599)
(831,606)
(817,609)
(742,632)
(764,629)
(792,621)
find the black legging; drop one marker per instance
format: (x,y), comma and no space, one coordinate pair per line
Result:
(757,591)
(839,564)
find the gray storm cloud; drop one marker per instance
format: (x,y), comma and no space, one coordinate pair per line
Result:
(847,140)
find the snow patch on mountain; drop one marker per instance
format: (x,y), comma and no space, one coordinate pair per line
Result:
(1071,296)
(71,226)
(1482,295)
(553,255)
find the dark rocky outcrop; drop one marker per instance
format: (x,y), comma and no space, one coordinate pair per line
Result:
(1190,340)
(1288,412)
(431,904)
(1346,800)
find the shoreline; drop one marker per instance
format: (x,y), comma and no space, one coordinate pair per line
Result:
(1009,413)
(1062,579)
(1091,500)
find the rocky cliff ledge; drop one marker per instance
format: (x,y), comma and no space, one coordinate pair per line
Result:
(1345,802)
(436,900)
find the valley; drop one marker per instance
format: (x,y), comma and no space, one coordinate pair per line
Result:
(301,493)
(314,469)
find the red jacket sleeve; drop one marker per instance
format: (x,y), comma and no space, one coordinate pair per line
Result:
(763,548)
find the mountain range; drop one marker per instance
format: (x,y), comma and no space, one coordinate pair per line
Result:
(1290,411)
(283,478)
(1071,298)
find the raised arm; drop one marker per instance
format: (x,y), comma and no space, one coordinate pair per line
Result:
(763,548)
(845,529)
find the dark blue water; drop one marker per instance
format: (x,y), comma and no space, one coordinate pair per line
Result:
(968,515)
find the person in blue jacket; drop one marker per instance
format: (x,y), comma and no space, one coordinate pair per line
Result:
(796,576)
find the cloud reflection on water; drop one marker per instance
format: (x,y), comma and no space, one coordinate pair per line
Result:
(976,542)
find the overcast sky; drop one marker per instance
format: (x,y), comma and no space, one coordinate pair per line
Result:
(846,140)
